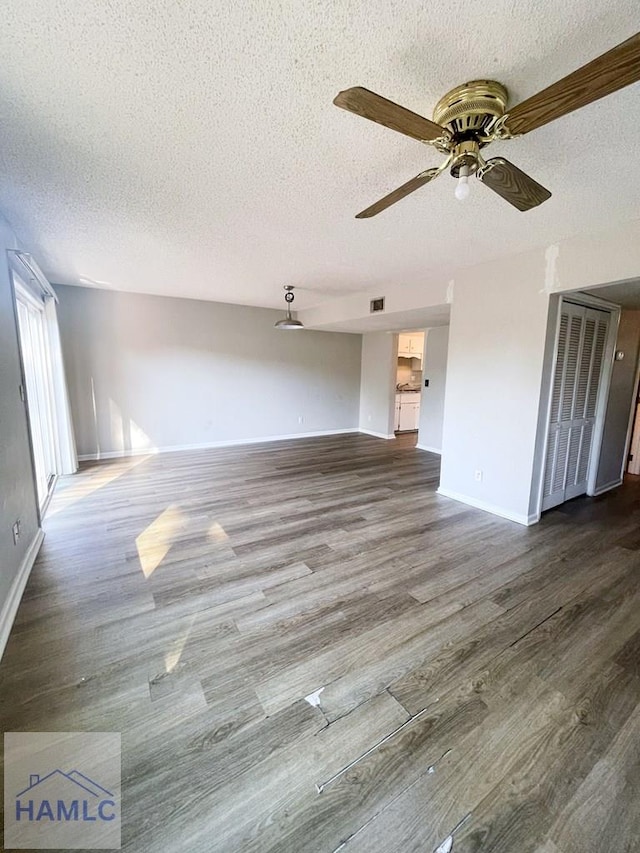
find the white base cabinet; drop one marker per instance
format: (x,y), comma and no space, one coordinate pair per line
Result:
(407,412)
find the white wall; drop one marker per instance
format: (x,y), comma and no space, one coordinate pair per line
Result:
(434,368)
(17,493)
(377,383)
(575,263)
(496,364)
(156,372)
(494,373)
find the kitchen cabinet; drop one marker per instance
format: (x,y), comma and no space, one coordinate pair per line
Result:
(407,412)
(396,418)
(410,345)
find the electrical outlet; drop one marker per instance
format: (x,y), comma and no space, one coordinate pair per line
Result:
(300,419)
(478,475)
(16,531)
(369,418)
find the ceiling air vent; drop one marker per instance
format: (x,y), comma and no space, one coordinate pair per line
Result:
(376,305)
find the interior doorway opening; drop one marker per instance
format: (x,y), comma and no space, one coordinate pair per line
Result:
(585,337)
(633,459)
(415,366)
(620,447)
(591,433)
(408,382)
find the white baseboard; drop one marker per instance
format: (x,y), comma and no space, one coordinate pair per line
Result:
(376,434)
(10,606)
(527,520)
(437,450)
(148,451)
(607,487)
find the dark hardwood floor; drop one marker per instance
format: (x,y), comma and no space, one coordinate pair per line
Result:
(307,649)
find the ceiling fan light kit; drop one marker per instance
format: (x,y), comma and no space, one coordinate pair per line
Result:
(475,114)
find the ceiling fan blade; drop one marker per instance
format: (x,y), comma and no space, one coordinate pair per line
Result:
(514,185)
(612,71)
(376,108)
(412,185)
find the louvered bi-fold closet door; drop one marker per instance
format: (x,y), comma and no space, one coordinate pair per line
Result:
(582,339)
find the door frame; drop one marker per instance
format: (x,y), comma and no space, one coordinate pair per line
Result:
(23,393)
(632,421)
(20,292)
(587,301)
(394,392)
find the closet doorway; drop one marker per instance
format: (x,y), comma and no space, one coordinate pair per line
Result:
(582,364)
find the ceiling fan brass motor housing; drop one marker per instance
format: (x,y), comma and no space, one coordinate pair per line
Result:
(469,108)
(467,111)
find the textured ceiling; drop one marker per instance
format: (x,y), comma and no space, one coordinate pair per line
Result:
(192,148)
(625,293)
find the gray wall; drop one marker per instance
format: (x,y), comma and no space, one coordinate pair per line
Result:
(434,369)
(619,404)
(378,382)
(17,494)
(157,372)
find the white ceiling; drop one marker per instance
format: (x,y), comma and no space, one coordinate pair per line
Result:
(193,149)
(624,293)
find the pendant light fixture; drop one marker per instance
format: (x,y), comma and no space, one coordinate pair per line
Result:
(289,322)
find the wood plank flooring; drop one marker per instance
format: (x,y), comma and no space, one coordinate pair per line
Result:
(305,648)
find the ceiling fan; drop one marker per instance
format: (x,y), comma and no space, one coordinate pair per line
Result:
(471,116)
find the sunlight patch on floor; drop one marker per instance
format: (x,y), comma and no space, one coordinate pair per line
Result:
(154,542)
(172,657)
(84,484)
(216,533)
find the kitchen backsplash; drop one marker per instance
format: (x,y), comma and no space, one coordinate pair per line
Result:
(405,375)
